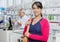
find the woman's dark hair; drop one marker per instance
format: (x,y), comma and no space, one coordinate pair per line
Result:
(38,4)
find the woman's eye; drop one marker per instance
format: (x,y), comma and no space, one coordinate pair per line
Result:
(34,8)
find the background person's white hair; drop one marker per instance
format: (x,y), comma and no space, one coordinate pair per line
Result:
(22,9)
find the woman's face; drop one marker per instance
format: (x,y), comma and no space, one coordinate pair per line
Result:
(36,10)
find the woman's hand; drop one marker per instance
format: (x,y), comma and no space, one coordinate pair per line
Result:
(27,34)
(29,21)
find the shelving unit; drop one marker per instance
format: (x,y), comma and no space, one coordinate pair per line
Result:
(54,27)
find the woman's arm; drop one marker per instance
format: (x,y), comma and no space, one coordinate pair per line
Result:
(25,29)
(26,26)
(45,33)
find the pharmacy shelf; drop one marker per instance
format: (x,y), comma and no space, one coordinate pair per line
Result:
(51,14)
(55,21)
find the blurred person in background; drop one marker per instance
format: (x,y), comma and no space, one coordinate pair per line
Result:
(37,28)
(22,19)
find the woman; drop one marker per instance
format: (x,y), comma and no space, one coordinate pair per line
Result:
(38,26)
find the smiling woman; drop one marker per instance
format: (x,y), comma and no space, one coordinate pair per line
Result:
(37,8)
(38,27)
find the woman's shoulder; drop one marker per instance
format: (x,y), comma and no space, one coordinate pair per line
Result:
(44,20)
(29,19)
